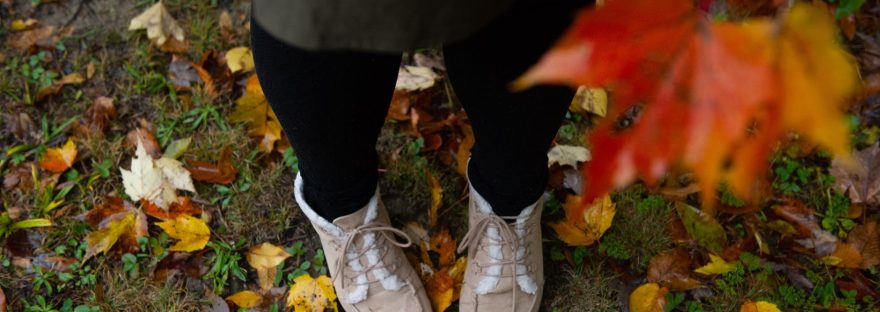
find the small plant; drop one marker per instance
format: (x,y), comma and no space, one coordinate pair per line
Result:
(834,218)
(791,175)
(224,263)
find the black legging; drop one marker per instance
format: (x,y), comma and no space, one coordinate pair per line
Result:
(332,104)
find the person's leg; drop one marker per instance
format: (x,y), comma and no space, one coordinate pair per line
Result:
(513,130)
(332,106)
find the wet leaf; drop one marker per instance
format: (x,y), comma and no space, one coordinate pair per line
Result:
(308,294)
(585,229)
(19,176)
(264,258)
(223,172)
(20,24)
(760,306)
(240,59)
(649,297)
(55,87)
(716,265)
(193,234)
(702,227)
(59,159)
(43,37)
(246,299)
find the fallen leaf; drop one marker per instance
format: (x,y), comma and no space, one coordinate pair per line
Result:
(193,234)
(176,148)
(844,256)
(415,78)
(20,176)
(760,306)
(59,159)
(223,172)
(568,155)
(20,24)
(464,149)
(586,228)
(160,25)
(716,266)
(217,303)
(861,183)
(865,239)
(264,258)
(702,227)
(43,37)
(182,73)
(225,24)
(108,233)
(436,198)
(155,180)
(183,206)
(145,137)
(590,100)
(649,297)
(2,300)
(98,116)
(672,269)
(308,294)
(69,79)
(240,59)
(246,299)
(253,109)
(855,280)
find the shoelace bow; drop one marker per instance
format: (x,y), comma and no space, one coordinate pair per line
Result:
(508,238)
(373,227)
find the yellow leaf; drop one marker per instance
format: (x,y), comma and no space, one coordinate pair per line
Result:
(649,297)
(818,75)
(108,233)
(240,59)
(265,258)
(436,198)
(760,306)
(584,230)
(159,24)
(590,100)
(192,232)
(716,265)
(246,299)
(59,159)
(253,109)
(19,24)
(308,294)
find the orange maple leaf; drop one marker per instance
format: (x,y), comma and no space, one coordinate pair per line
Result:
(59,159)
(716,95)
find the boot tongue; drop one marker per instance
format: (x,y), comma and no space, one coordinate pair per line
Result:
(351,221)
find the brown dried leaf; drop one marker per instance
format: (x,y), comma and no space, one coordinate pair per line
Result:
(42,37)
(865,238)
(862,183)
(672,269)
(98,116)
(151,146)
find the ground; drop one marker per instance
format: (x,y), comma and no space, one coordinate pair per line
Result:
(47,269)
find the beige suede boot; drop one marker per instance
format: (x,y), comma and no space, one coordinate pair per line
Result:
(505,269)
(366,262)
